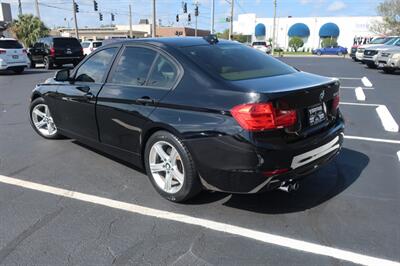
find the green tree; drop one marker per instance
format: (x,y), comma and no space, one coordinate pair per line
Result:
(390,12)
(29,29)
(328,42)
(223,35)
(296,43)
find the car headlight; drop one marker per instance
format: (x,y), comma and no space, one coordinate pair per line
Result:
(395,56)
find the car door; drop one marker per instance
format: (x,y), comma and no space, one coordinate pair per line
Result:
(37,51)
(75,101)
(140,78)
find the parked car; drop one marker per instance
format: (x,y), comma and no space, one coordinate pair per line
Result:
(90,46)
(13,56)
(358,41)
(375,42)
(371,54)
(334,50)
(197,113)
(56,51)
(389,60)
(262,46)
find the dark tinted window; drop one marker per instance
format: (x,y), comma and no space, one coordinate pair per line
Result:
(259,43)
(85,44)
(133,66)
(63,42)
(10,44)
(163,74)
(236,62)
(96,44)
(94,69)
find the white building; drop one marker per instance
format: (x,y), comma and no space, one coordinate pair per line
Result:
(346,28)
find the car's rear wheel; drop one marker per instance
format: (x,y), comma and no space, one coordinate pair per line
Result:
(170,167)
(41,119)
(19,70)
(47,63)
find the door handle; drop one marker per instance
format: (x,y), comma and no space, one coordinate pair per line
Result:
(145,100)
(89,96)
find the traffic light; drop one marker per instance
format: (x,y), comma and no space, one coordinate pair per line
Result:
(76,7)
(196,11)
(189,17)
(112,17)
(177,18)
(185,8)
(96,6)
(100,17)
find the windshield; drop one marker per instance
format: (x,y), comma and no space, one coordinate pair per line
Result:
(62,42)
(10,44)
(236,61)
(391,41)
(380,40)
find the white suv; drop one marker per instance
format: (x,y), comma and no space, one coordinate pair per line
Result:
(13,56)
(262,46)
(90,46)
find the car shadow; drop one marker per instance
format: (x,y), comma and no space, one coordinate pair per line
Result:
(26,72)
(314,190)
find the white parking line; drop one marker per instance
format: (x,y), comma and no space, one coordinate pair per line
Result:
(216,226)
(398,155)
(346,78)
(366,82)
(361,104)
(387,119)
(360,95)
(392,141)
(352,88)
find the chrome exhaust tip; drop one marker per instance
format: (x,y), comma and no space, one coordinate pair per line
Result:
(289,187)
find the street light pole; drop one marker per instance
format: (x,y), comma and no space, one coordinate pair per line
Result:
(153,32)
(274,29)
(130,21)
(212,16)
(37,8)
(231,21)
(19,8)
(75,20)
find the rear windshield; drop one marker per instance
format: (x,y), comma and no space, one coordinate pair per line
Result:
(10,44)
(96,44)
(236,62)
(85,44)
(259,43)
(62,42)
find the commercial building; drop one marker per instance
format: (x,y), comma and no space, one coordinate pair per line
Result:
(311,29)
(5,18)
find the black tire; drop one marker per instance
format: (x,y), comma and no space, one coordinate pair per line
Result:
(18,70)
(47,63)
(191,184)
(32,105)
(388,70)
(371,65)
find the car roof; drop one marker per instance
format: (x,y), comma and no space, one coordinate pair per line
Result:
(171,41)
(7,39)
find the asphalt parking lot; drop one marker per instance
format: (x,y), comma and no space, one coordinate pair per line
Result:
(64,204)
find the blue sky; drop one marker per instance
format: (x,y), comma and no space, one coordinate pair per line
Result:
(61,11)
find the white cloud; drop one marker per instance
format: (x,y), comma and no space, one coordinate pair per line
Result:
(304,2)
(336,6)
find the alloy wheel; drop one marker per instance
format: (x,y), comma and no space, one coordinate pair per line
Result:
(166,167)
(43,121)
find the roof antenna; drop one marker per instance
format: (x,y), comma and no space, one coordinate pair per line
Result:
(211,39)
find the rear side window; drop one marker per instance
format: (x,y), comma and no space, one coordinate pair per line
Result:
(133,66)
(94,69)
(10,44)
(236,62)
(66,42)
(163,74)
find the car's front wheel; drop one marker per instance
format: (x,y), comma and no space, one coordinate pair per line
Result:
(170,167)
(41,119)
(47,63)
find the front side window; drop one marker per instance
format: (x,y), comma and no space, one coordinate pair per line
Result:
(163,74)
(94,69)
(133,66)
(236,61)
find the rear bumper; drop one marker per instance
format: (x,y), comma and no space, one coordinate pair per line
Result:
(234,164)
(66,60)
(7,66)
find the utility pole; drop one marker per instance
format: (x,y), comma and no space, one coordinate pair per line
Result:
(196,14)
(37,8)
(75,20)
(274,29)
(231,21)
(153,32)
(130,21)
(212,16)
(19,8)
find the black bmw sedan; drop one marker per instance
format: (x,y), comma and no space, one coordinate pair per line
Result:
(196,113)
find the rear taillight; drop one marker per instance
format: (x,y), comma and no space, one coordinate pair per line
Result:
(262,116)
(335,102)
(275,172)
(3,51)
(52,51)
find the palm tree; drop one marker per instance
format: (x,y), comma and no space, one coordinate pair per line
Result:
(29,29)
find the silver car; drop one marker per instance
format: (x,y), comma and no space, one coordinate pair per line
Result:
(389,60)
(371,54)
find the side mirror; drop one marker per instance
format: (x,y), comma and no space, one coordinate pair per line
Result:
(62,75)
